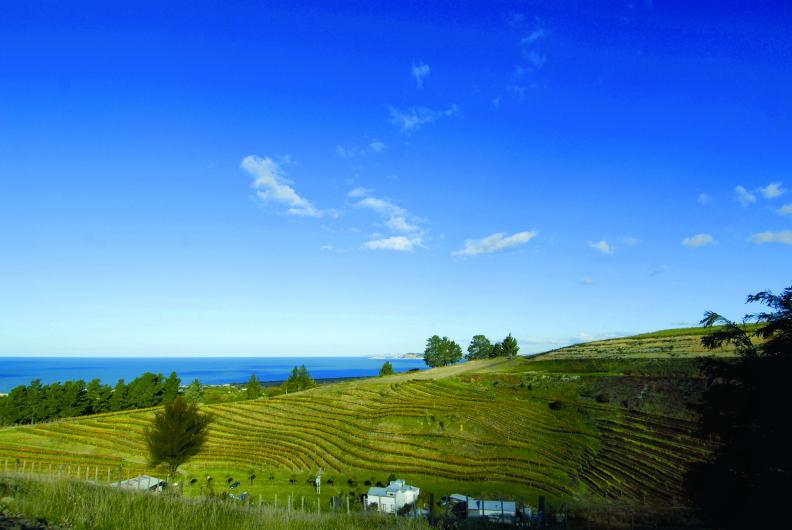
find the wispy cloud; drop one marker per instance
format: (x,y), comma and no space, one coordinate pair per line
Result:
(271,184)
(587,280)
(704,199)
(657,271)
(414,118)
(494,243)
(699,240)
(355,151)
(420,72)
(359,192)
(785,209)
(783,237)
(397,243)
(601,246)
(743,196)
(537,59)
(772,191)
(630,241)
(394,217)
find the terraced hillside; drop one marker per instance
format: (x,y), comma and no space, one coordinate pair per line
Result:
(497,427)
(670,343)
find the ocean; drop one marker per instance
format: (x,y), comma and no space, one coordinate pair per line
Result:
(16,371)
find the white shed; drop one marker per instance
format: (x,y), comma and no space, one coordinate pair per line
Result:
(393,497)
(141,483)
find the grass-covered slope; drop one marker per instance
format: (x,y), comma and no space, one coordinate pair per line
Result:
(669,343)
(573,430)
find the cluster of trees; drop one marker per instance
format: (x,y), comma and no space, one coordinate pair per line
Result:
(444,351)
(299,379)
(745,409)
(36,402)
(387,369)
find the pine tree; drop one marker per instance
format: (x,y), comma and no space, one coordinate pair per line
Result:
(170,388)
(253,388)
(387,369)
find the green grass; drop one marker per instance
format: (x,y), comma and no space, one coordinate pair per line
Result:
(81,505)
(483,428)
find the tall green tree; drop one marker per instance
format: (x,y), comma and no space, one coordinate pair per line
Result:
(118,401)
(497,350)
(194,392)
(176,434)
(299,379)
(745,410)
(441,351)
(509,346)
(170,388)
(480,348)
(387,369)
(253,388)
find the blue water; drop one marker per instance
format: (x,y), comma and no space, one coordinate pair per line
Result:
(16,371)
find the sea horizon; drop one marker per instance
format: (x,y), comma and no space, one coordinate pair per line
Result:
(209,370)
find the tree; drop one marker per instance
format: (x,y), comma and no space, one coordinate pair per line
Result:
(299,379)
(441,352)
(176,434)
(118,401)
(744,410)
(497,350)
(253,388)
(194,392)
(509,346)
(480,348)
(170,388)
(387,369)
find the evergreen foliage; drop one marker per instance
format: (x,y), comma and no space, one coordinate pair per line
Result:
(387,369)
(176,434)
(480,348)
(441,351)
(253,388)
(744,484)
(299,379)
(35,402)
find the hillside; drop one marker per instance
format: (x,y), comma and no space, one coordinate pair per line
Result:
(575,430)
(664,344)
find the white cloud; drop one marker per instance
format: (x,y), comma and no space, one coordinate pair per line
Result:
(631,241)
(785,209)
(773,190)
(396,218)
(533,36)
(494,243)
(354,151)
(704,199)
(271,184)
(744,196)
(536,58)
(398,243)
(414,118)
(359,192)
(602,246)
(496,103)
(699,240)
(420,72)
(783,236)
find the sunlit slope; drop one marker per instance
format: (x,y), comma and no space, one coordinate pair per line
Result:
(480,426)
(670,343)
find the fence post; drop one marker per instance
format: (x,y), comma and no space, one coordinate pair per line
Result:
(276,500)
(302,503)
(347,504)
(318,508)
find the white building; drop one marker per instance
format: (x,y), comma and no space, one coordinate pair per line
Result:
(392,498)
(141,483)
(501,511)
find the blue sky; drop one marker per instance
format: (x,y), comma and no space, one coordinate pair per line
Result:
(254,178)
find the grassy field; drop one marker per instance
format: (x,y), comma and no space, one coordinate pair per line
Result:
(576,430)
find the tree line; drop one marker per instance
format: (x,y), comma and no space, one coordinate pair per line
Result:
(442,351)
(36,402)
